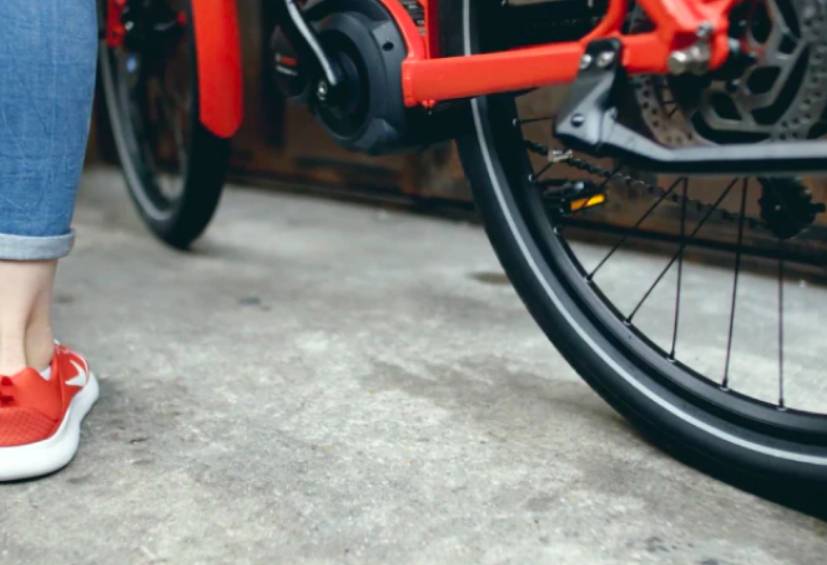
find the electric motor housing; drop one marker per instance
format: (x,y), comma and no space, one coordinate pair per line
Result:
(366,110)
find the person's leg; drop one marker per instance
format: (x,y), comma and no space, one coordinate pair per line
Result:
(47,64)
(26,338)
(47,74)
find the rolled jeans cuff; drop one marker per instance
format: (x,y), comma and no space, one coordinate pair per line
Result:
(35,248)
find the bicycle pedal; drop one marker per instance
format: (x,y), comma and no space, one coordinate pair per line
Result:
(570,197)
(588,202)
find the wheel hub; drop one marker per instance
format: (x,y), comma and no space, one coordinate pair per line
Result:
(151,26)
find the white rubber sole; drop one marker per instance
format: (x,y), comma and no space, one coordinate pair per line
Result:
(49,455)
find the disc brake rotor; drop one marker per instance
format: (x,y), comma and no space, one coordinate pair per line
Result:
(781,95)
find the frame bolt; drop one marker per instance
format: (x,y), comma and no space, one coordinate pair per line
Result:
(693,59)
(578,120)
(705,30)
(586,61)
(678,62)
(605,59)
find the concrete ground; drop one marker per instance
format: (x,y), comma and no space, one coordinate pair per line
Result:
(322,382)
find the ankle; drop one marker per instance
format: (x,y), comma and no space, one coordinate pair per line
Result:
(12,355)
(39,347)
(34,350)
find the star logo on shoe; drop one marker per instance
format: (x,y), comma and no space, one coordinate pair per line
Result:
(81,378)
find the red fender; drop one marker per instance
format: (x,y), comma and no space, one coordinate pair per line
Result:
(218,55)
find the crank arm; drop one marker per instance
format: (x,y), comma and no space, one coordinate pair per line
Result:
(589,123)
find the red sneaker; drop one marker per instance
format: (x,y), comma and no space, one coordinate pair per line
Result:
(40,417)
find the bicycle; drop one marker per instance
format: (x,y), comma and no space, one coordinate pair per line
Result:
(660,95)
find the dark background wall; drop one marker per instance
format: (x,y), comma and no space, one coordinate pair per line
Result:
(281,143)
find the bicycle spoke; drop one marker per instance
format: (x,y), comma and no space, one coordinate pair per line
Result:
(744,188)
(534,177)
(637,224)
(681,249)
(172,116)
(609,177)
(680,270)
(780,331)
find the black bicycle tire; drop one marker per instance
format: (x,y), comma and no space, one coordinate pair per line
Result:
(747,457)
(205,173)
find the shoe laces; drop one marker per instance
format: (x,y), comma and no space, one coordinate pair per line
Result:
(6,391)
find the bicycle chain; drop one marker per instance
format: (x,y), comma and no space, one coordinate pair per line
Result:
(567,157)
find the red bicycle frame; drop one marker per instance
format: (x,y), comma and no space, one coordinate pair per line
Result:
(218,58)
(429,78)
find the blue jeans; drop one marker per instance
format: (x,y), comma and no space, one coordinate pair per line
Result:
(47,79)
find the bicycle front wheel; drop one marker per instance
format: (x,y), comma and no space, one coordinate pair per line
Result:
(173,166)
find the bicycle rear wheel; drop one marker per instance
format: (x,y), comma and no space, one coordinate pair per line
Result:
(173,166)
(691,394)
